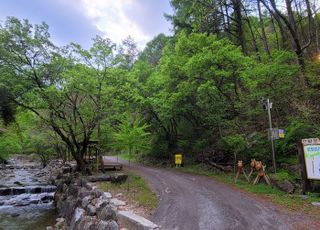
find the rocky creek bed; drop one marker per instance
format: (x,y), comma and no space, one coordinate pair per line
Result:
(57,197)
(26,195)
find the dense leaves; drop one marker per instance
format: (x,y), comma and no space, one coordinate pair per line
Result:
(200,92)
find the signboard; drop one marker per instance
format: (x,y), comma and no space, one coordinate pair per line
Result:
(276,134)
(311,149)
(178,159)
(281,133)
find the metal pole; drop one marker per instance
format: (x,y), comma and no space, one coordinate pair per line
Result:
(271,138)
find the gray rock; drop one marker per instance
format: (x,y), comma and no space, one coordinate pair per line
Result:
(83,192)
(107,213)
(117,202)
(91,210)
(303,196)
(87,223)
(77,216)
(118,178)
(108,225)
(98,192)
(316,204)
(85,201)
(108,195)
(285,185)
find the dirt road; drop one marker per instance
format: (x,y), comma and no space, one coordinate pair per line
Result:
(190,202)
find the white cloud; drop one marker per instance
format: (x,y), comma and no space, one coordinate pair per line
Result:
(109,16)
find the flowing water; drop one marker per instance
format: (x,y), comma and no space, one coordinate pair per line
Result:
(26,200)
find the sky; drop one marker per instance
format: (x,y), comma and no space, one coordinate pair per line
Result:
(81,20)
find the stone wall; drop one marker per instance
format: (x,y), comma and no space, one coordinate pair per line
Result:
(82,206)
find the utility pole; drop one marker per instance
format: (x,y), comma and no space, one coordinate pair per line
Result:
(268,107)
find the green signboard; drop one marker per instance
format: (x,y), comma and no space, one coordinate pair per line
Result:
(312,159)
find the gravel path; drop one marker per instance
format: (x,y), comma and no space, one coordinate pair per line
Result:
(191,202)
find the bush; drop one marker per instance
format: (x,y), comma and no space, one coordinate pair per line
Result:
(9,144)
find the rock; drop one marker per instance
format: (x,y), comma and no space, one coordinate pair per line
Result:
(18,183)
(285,185)
(83,192)
(98,193)
(66,207)
(61,222)
(15,214)
(100,203)
(119,195)
(294,169)
(87,223)
(117,202)
(73,190)
(316,204)
(108,195)
(108,225)
(107,213)
(91,210)
(135,222)
(85,201)
(66,169)
(303,196)
(118,177)
(50,228)
(77,216)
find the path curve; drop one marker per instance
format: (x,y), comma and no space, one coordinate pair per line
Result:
(192,202)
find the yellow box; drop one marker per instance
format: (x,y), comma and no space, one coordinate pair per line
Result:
(178,159)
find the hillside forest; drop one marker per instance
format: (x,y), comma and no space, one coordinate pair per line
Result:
(200,91)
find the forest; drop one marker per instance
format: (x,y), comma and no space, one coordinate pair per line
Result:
(200,92)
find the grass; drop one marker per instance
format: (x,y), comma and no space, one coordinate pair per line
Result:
(292,202)
(139,192)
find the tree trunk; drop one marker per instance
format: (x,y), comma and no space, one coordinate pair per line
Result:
(239,26)
(263,32)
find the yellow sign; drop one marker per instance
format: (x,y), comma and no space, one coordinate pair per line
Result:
(178,159)
(281,133)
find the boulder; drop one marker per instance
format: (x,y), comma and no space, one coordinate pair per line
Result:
(108,195)
(107,225)
(91,210)
(117,202)
(316,204)
(107,213)
(118,178)
(78,214)
(85,201)
(284,185)
(98,193)
(87,223)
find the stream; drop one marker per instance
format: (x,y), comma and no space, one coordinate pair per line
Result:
(26,199)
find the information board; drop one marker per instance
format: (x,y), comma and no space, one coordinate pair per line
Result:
(312,159)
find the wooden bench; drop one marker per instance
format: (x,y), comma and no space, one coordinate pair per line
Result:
(111,166)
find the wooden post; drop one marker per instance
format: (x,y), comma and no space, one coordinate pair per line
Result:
(306,183)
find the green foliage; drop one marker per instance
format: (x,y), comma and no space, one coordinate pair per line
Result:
(236,144)
(295,131)
(131,135)
(9,144)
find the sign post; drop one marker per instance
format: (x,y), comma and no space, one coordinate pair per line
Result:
(268,107)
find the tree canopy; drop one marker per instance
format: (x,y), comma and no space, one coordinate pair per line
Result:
(199,91)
